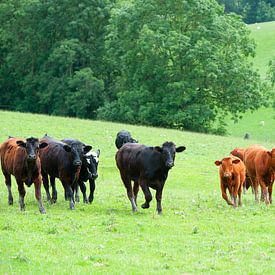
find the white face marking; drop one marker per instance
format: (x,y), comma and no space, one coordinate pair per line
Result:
(94,154)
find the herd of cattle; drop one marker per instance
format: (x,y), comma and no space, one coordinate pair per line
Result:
(35,161)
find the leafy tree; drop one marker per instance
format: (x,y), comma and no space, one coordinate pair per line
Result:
(45,45)
(180,64)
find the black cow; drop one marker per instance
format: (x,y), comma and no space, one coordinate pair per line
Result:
(63,161)
(88,172)
(124,137)
(147,167)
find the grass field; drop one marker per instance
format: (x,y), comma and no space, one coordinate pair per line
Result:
(264,35)
(197,232)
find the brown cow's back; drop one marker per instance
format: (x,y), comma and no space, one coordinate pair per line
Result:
(12,157)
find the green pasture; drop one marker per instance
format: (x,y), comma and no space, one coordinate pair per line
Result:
(264,35)
(197,232)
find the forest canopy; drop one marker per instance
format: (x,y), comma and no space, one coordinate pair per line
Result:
(183,63)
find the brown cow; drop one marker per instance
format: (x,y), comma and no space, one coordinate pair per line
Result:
(239,152)
(20,158)
(260,164)
(232,176)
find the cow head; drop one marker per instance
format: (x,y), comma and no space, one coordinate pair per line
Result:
(227,166)
(90,162)
(77,150)
(168,151)
(31,146)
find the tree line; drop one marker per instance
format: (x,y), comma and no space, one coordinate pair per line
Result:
(252,11)
(182,64)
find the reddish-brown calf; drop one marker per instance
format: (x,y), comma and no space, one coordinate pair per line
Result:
(232,176)
(20,158)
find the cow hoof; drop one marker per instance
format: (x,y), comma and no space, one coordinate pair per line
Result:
(145,206)
(134,210)
(85,201)
(53,200)
(10,202)
(72,207)
(91,200)
(77,199)
(23,208)
(42,210)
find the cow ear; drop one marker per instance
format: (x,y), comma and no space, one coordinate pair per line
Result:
(235,161)
(98,152)
(67,148)
(21,143)
(218,162)
(180,149)
(43,145)
(158,148)
(87,148)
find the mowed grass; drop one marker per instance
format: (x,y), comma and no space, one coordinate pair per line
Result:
(197,232)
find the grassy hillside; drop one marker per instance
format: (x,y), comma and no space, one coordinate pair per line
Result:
(197,233)
(264,35)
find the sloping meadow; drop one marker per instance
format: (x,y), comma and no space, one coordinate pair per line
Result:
(197,232)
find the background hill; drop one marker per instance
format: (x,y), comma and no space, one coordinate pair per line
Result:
(264,35)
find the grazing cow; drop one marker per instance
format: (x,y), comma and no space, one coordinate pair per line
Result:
(20,158)
(239,152)
(124,137)
(147,167)
(88,172)
(63,161)
(260,165)
(232,176)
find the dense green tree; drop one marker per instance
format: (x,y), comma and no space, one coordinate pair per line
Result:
(45,47)
(179,64)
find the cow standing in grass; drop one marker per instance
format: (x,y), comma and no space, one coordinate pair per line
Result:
(146,167)
(232,176)
(63,161)
(20,158)
(88,171)
(260,164)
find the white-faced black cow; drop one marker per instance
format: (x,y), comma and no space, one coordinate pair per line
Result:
(124,137)
(147,167)
(88,171)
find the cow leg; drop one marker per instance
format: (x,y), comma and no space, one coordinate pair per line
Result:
(240,196)
(22,193)
(270,192)
(83,191)
(45,180)
(37,186)
(70,195)
(76,189)
(128,186)
(136,189)
(158,198)
(54,191)
(8,184)
(224,195)
(92,189)
(263,189)
(147,194)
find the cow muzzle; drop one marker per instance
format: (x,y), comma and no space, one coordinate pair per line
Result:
(31,157)
(77,163)
(170,164)
(227,175)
